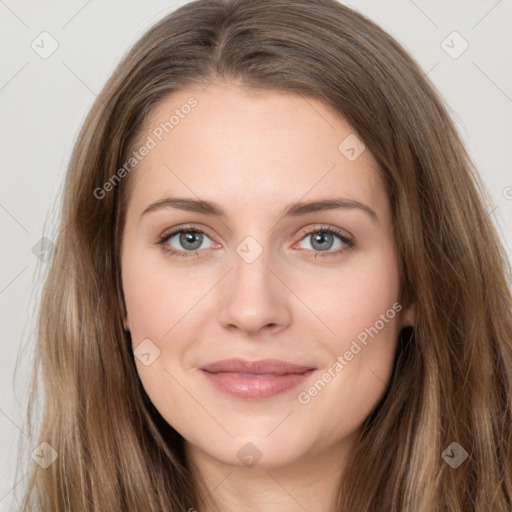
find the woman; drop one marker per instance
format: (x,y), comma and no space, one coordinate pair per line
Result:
(368,370)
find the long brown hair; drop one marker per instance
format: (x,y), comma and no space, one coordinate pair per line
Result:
(452,378)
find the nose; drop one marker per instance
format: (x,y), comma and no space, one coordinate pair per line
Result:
(255,297)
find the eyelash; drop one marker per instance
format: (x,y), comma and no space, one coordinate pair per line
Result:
(162,242)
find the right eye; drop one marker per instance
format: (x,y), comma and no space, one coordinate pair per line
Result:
(191,239)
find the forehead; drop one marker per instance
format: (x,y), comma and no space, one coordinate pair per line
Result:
(257,149)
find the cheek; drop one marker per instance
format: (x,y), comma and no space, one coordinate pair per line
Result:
(157,296)
(367,329)
(157,303)
(353,297)
(363,312)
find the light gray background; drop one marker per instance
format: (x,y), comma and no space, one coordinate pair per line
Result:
(44,101)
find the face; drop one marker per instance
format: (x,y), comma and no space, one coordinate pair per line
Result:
(311,294)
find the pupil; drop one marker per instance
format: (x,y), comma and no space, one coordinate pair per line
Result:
(190,238)
(321,238)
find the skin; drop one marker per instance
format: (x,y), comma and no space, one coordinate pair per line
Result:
(254,154)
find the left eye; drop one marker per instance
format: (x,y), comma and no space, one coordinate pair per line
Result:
(321,240)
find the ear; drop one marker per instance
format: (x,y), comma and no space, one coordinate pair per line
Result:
(126,324)
(408,316)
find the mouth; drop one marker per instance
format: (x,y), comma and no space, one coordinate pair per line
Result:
(255,380)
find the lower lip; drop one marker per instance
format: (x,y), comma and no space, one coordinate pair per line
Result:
(255,387)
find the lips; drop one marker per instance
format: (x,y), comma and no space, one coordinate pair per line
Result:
(255,380)
(263,366)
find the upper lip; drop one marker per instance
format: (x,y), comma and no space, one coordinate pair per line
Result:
(262,366)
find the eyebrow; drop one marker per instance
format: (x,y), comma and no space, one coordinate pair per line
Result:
(293,210)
